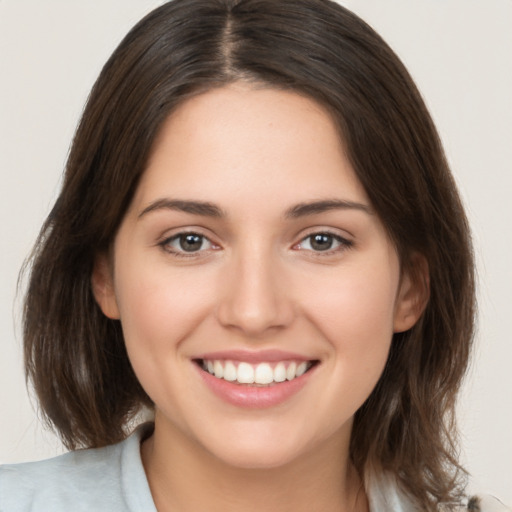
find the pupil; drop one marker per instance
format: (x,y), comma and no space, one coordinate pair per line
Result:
(321,242)
(190,242)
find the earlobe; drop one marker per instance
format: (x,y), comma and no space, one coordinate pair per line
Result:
(103,287)
(413,294)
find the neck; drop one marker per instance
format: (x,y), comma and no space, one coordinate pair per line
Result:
(185,477)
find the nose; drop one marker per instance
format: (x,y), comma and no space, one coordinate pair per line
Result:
(255,297)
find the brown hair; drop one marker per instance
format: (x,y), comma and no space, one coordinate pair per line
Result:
(75,356)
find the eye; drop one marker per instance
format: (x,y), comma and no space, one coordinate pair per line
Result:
(324,242)
(184,244)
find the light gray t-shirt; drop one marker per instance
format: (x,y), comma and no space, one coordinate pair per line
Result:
(97,480)
(112,479)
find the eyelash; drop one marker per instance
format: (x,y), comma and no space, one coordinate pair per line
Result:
(344,244)
(165,244)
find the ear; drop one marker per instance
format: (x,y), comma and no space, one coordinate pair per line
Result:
(413,293)
(102,281)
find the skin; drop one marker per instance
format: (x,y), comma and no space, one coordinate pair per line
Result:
(256,283)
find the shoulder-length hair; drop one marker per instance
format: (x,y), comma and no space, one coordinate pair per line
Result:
(75,356)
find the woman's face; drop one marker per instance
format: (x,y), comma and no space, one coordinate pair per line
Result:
(251,251)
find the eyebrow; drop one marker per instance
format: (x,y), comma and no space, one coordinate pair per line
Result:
(202,208)
(207,209)
(316,207)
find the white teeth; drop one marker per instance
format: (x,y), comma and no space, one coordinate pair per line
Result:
(290,372)
(229,372)
(301,369)
(245,373)
(280,372)
(262,373)
(218,369)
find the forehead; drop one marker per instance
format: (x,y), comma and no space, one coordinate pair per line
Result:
(248,141)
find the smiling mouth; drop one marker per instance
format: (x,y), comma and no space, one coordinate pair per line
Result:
(261,374)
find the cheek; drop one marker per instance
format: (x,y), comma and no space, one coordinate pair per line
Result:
(354,313)
(159,308)
(356,319)
(358,303)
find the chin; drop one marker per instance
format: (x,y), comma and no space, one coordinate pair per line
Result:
(253,449)
(255,458)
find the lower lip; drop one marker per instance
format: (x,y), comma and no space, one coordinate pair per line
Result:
(254,397)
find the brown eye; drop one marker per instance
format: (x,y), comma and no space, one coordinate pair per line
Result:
(184,243)
(324,242)
(190,242)
(321,242)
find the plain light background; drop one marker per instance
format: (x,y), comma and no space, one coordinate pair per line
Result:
(458,51)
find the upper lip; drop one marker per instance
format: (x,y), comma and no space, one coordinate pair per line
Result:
(249,356)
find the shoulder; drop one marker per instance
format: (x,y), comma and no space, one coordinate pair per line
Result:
(96,479)
(486,503)
(385,494)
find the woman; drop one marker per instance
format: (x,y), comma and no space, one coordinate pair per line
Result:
(258,238)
